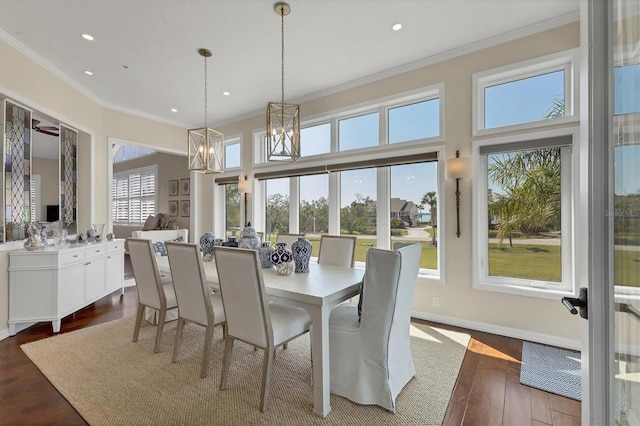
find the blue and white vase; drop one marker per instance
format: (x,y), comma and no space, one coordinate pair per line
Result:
(301,254)
(281,254)
(249,239)
(265,255)
(207,242)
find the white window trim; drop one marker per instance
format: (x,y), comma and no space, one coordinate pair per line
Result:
(570,184)
(567,60)
(154,169)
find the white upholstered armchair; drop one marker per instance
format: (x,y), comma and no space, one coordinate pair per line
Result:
(370,358)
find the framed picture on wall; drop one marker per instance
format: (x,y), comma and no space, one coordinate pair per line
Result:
(185,208)
(173,187)
(173,208)
(185,186)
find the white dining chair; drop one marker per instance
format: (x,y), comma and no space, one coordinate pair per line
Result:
(152,292)
(288,238)
(371,357)
(196,303)
(250,316)
(338,250)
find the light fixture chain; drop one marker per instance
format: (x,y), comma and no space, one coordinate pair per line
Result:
(205,92)
(282,45)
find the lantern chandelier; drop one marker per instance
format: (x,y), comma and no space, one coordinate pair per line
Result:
(206,146)
(283,120)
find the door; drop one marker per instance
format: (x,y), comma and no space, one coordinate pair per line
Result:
(612,361)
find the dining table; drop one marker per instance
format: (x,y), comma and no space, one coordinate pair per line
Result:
(317,291)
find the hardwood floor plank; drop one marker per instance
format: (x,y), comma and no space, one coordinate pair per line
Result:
(539,423)
(541,406)
(562,419)
(517,404)
(564,405)
(486,402)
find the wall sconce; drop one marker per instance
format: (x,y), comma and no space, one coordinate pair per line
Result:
(457,168)
(244,186)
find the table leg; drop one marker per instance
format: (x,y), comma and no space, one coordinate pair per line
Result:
(55,324)
(320,355)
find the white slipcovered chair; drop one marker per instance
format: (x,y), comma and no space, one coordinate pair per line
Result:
(152,292)
(250,316)
(288,238)
(370,358)
(196,302)
(338,250)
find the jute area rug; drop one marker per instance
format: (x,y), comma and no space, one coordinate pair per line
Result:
(112,381)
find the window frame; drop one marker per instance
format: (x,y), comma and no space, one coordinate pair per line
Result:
(567,61)
(152,169)
(232,140)
(570,185)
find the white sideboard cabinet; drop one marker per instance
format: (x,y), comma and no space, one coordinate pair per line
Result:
(49,284)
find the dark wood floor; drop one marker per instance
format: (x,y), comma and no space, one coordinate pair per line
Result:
(487,392)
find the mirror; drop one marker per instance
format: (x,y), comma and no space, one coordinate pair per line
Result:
(40,172)
(17,171)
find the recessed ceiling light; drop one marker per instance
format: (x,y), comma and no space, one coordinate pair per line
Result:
(396,27)
(226,93)
(87,36)
(174,109)
(87,72)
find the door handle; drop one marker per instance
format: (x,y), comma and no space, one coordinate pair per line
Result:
(572,303)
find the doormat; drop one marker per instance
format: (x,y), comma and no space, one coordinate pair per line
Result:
(551,369)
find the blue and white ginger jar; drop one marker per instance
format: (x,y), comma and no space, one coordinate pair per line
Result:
(301,254)
(281,254)
(249,239)
(265,255)
(207,241)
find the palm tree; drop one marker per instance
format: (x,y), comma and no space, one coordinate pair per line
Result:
(430,199)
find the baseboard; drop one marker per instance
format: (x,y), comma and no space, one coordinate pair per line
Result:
(516,333)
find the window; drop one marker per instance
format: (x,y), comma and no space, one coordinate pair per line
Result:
(359,132)
(231,210)
(415,121)
(134,195)
(524,199)
(414,208)
(128,152)
(358,213)
(232,154)
(314,208)
(626,84)
(315,140)
(277,208)
(527,94)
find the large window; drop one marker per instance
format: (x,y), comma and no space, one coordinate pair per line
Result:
(314,208)
(414,208)
(415,121)
(277,208)
(231,210)
(526,94)
(134,195)
(315,140)
(359,132)
(524,200)
(358,210)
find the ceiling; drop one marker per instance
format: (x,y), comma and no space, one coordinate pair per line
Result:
(145,61)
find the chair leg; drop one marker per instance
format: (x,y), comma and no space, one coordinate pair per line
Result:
(285,346)
(226,361)
(136,328)
(267,367)
(208,338)
(161,317)
(178,340)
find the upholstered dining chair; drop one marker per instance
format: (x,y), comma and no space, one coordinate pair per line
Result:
(152,292)
(371,356)
(196,302)
(288,238)
(338,250)
(250,316)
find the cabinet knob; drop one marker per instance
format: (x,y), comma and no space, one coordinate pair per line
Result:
(75,255)
(88,263)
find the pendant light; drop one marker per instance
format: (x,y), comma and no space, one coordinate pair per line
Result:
(206,146)
(283,120)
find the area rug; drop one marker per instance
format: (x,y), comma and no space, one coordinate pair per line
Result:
(111,381)
(551,369)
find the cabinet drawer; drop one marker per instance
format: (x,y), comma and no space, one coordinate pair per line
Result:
(95,251)
(115,246)
(71,256)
